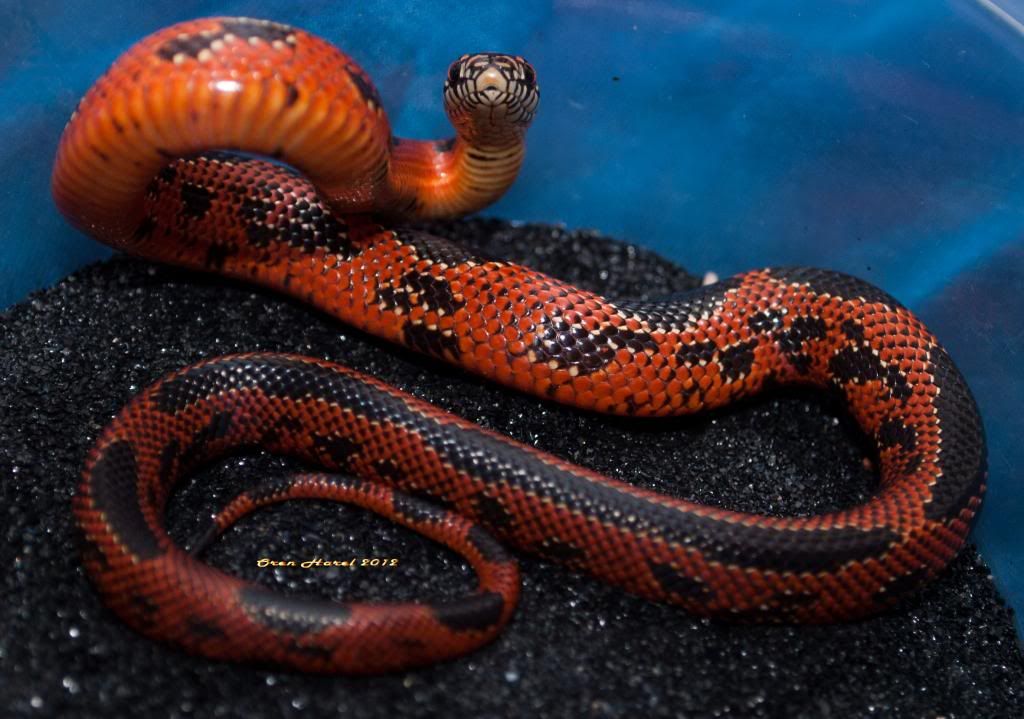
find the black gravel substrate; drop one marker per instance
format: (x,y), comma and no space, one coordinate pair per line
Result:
(70,356)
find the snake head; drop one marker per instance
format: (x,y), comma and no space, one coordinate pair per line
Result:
(491,94)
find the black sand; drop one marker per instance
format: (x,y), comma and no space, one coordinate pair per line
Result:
(71,355)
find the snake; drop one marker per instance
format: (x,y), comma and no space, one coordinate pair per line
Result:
(261,152)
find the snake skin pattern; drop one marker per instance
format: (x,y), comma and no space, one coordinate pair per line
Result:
(136,169)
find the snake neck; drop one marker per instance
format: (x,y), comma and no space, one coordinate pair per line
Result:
(429,179)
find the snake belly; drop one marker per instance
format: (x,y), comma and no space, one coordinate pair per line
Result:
(316,233)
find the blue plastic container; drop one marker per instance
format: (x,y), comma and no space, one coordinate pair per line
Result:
(885,140)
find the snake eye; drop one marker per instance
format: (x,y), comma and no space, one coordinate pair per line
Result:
(453,73)
(529,76)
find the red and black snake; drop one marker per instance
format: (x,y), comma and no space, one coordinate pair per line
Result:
(135,169)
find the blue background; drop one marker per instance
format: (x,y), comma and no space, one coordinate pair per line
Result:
(883,139)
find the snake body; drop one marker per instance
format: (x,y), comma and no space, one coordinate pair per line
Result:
(136,169)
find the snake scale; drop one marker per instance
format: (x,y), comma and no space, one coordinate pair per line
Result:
(261,152)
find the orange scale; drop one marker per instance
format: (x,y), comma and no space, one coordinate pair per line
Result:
(582,384)
(511,333)
(454,274)
(723,393)
(560,302)
(518,347)
(561,376)
(591,324)
(917,391)
(620,395)
(496,342)
(520,365)
(694,402)
(526,324)
(540,372)
(602,388)
(624,357)
(501,371)
(617,378)
(523,381)
(649,373)
(630,371)
(493,327)
(586,398)
(572,317)
(482,353)
(564,393)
